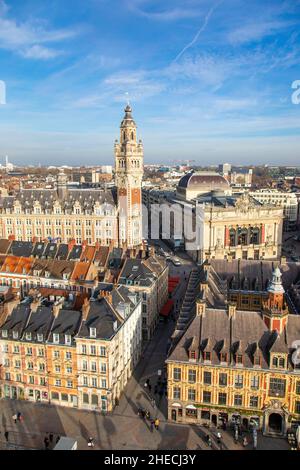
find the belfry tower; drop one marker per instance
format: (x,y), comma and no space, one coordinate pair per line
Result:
(128,177)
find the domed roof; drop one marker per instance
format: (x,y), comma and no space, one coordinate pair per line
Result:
(205,182)
(128,120)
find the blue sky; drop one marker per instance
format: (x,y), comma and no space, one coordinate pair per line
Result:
(209,80)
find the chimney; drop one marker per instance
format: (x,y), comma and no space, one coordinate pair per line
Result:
(71,244)
(57,307)
(200,307)
(85,308)
(231,309)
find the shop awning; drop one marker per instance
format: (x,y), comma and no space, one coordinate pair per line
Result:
(165,311)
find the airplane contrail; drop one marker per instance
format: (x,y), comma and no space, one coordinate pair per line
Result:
(206,20)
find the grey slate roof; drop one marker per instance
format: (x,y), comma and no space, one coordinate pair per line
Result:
(245,333)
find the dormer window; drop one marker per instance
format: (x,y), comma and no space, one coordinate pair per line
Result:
(278,362)
(257,360)
(4,334)
(65,276)
(55,338)
(207,356)
(40,337)
(239,359)
(47,274)
(192,355)
(68,339)
(93,332)
(28,336)
(15,335)
(223,357)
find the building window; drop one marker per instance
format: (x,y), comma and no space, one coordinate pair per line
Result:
(94,382)
(191,394)
(64,397)
(102,351)
(177,374)
(58,383)
(192,376)
(239,359)
(176,393)
(94,367)
(297,407)
(207,378)
(93,332)
(85,398)
(254,382)
(55,396)
(206,397)
(298,387)
(277,387)
(103,368)
(238,381)
(83,349)
(55,338)
(68,339)
(56,354)
(238,400)
(222,379)
(68,355)
(93,350)
(254,402)
(94,400)
(222,398)
(207,356)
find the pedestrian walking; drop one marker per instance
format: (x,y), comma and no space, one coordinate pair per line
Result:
(91,442)
(15,417)
(19,416)
(156,424)
(152,425)
(51,437)
(46,442)
(6,435)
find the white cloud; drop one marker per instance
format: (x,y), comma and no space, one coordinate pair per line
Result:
(26,38)
(256,31)
(40,52)
(167,12)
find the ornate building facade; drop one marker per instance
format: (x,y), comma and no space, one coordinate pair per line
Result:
(107,216)
(238,366)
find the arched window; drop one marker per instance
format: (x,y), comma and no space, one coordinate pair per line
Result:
(254,235)
(232,235)
(242,236)
(132,135)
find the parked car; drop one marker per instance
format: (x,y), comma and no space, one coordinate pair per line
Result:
(176,262)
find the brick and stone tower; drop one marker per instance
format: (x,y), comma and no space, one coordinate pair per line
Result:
(128,177)
(275,311)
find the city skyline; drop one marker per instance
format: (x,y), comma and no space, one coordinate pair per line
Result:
(209,88)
